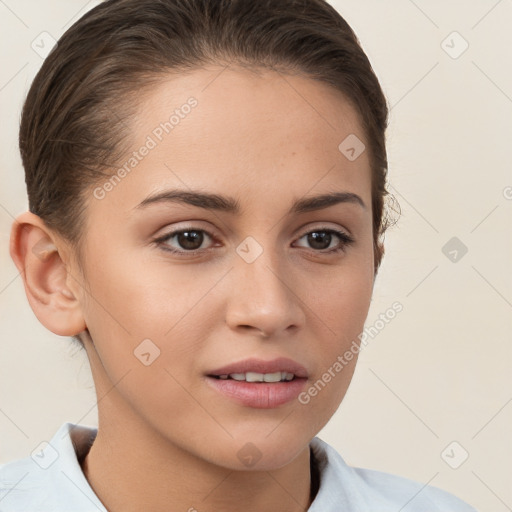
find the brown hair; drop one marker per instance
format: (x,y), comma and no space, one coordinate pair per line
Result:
(74,124)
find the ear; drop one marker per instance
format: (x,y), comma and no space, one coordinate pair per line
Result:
(46,275)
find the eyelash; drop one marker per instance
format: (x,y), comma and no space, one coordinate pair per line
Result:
(345,241)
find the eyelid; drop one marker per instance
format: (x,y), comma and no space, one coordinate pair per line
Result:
(322,226)
(191,225)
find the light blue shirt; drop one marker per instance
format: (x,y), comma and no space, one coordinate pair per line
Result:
(51,480)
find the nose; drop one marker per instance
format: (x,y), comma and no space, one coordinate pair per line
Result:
(264,297)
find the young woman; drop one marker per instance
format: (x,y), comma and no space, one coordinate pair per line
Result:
(206,183)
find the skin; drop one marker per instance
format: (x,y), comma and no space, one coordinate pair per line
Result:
(165,436)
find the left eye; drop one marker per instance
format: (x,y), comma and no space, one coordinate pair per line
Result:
(319,237)
(191,239)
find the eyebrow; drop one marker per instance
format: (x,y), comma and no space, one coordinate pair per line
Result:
(231,205)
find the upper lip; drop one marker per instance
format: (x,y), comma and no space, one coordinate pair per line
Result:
(281,364)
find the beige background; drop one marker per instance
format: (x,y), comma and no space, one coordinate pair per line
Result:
(440,371)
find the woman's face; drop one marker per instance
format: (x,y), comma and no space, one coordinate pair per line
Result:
(262,280)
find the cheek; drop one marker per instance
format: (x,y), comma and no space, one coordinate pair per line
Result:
(340,309)
(137,299)
(341,302)
(138,312)
(343,311)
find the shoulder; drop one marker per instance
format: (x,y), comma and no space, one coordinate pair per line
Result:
(411,495)
(50,479)
(22,485)
(361,489)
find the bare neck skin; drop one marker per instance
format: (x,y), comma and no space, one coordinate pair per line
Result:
(161,476)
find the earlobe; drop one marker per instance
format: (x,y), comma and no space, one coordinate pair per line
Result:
(35,252)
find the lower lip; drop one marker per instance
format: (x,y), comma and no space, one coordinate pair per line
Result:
(261,395)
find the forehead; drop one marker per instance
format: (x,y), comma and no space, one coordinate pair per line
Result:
(221,128)
(240,104)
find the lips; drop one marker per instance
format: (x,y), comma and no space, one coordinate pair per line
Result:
(281,364)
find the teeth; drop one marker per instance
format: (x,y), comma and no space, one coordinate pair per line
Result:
(269,377)
(259,377)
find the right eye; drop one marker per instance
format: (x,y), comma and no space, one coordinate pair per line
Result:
(190,239)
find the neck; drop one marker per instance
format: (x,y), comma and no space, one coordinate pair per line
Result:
(131,467)
(132,473)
